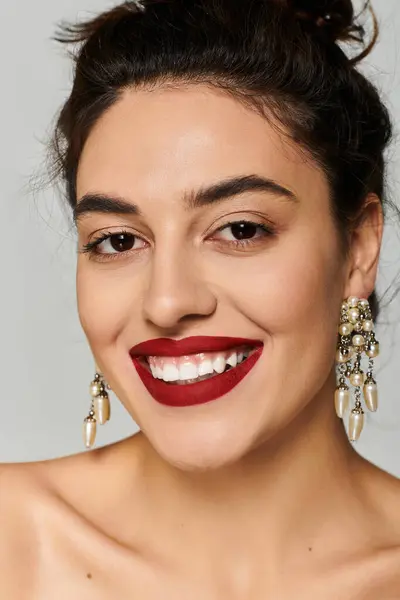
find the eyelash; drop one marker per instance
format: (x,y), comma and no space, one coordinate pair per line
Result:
(91,247)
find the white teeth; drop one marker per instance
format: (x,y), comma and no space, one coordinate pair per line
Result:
(188,371)
(219,363)
(232,359)
(170,373)
(205,367)
(192,367)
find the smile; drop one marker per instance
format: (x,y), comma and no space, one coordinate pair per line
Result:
(194,370)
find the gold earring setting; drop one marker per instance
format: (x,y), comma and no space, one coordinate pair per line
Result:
(356,340)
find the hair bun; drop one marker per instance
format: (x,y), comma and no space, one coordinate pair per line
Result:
(332,19)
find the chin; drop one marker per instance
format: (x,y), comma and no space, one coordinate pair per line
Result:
(200,448)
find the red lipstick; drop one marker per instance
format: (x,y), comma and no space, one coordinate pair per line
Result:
(200,392)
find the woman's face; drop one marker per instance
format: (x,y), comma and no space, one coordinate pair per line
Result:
(176,268)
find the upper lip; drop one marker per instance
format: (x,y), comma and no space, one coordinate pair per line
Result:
(190,345)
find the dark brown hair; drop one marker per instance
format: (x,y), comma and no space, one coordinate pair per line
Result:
(283,58)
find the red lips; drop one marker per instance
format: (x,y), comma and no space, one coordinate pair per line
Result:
(190,345)
(172,394)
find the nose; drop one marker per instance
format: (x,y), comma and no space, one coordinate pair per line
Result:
(177,290)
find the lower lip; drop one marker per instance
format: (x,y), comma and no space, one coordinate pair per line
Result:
(196,393)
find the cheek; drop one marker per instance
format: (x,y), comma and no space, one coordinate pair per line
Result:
(293,294)
(106,299)
(293,291)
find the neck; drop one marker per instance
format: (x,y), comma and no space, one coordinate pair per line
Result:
(284,494)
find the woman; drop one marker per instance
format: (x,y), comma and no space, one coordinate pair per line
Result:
(224,165)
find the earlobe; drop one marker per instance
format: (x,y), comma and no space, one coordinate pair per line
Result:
(365,245)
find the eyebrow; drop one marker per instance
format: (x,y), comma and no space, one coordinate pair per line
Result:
(223,190)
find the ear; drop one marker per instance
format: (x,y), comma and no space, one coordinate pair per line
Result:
(365,246)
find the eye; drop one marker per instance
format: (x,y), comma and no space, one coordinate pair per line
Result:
(118,242)
(114,243)
(242,232)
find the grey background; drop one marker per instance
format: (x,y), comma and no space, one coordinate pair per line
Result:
(45,362)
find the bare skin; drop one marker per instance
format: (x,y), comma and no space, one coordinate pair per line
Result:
(258,494)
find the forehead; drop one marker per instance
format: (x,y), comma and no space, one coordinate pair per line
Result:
(168,140)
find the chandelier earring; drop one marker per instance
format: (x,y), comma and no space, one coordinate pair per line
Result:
(356,342)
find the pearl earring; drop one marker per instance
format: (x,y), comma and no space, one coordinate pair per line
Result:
(99,409)
(356,337)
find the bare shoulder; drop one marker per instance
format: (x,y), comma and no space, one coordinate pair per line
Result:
(34,495)
(27,487)
(23,485)
(34,506)
(383,500)
(19,486)
(19,493)
(383,490)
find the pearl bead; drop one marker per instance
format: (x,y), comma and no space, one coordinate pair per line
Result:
(345,306)
(95,388)
(364,303)
(371,395)
(354,315)
(345,329)
(357,378)
(358,340)
(372,350)
(102,409)
(368,325)
(342,397)
(352,301)
(356,424)
(342,358)
(89,432)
